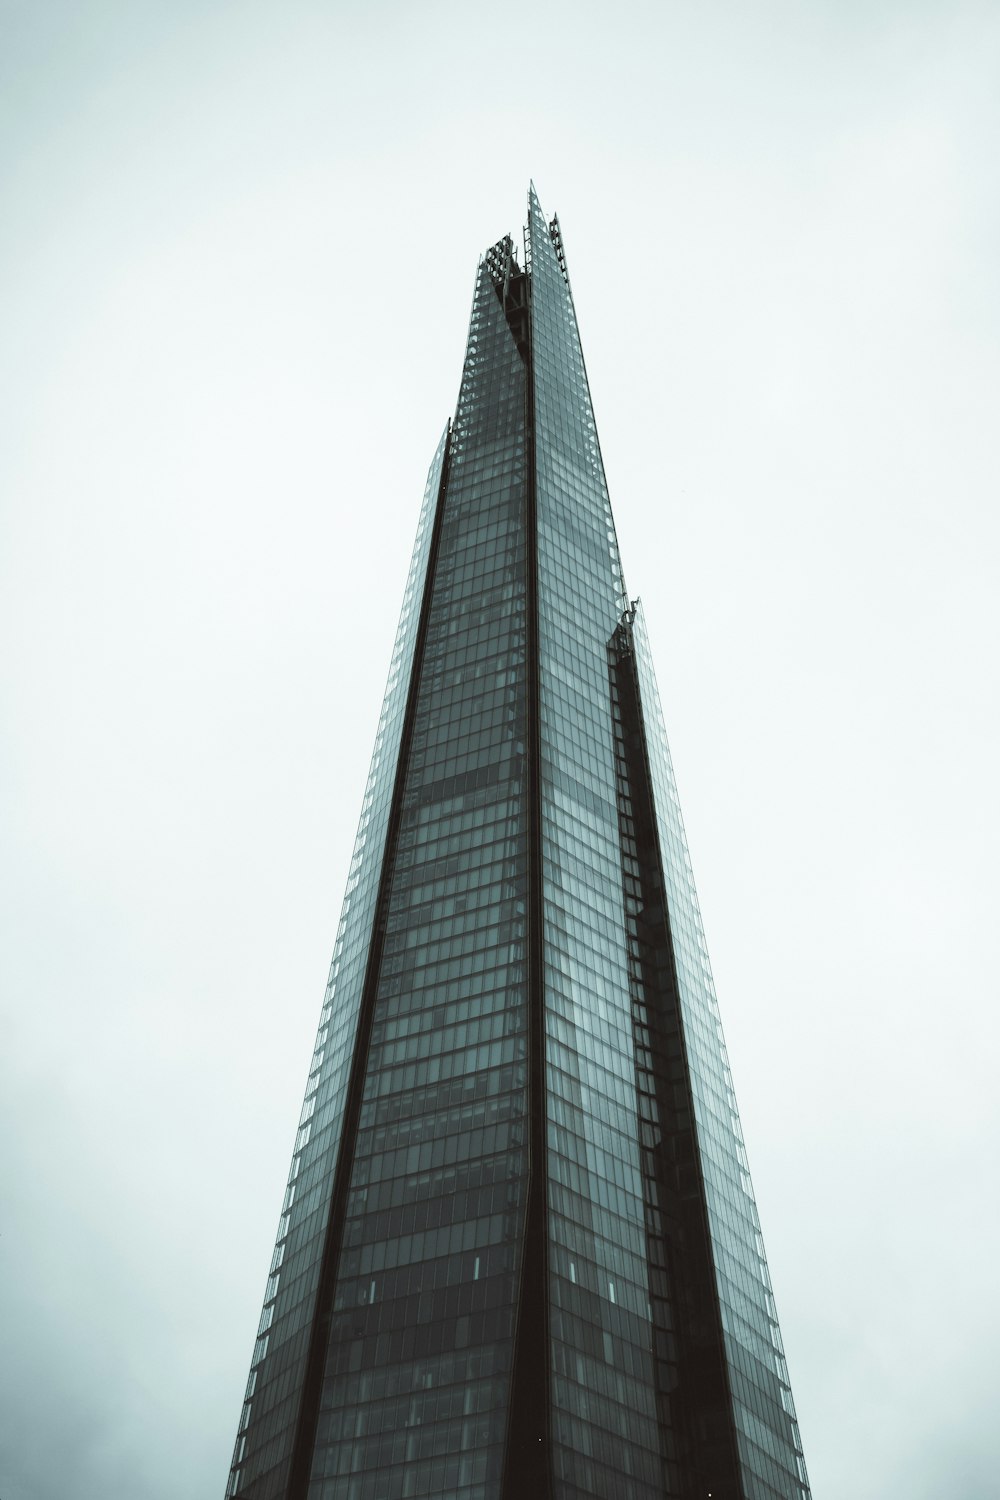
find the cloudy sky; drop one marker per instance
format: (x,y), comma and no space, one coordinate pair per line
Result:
(236,260)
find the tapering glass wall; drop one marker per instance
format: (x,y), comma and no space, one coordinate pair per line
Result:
(263,1449)
(767,1432)
(604,1433)
(415,1393)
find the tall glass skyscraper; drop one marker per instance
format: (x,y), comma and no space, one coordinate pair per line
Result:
(518,1254)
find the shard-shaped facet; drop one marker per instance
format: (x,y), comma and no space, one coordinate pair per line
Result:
(519,1254)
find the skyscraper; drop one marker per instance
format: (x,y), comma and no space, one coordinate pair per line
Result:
(518,1254)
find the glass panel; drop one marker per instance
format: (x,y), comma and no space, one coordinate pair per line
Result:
(605,1439)
(291,1292)
(767,1433)
(415,1394)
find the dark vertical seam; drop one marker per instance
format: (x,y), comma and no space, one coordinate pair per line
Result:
(526,1471)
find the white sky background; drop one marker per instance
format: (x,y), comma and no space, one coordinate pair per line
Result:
(237,253)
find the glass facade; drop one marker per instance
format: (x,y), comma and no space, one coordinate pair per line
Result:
(518,1252)
(763,1414)
(604,1434)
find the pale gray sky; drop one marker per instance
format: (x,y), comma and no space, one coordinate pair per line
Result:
(236,259)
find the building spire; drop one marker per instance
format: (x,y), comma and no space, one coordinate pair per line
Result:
(518,1252)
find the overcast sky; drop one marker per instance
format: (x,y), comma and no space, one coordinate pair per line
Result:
(237,251)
